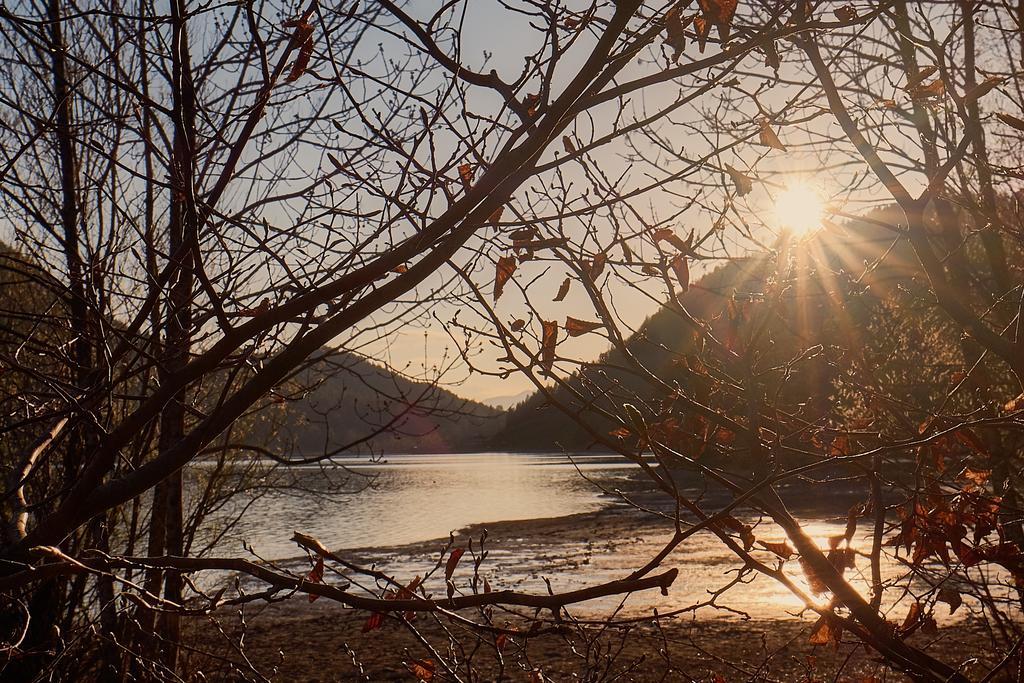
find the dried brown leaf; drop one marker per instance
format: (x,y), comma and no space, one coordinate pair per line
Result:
(563,289)
(846,13)
(304,33)
(768,137)
(316,575)
(951,597)
(549,339)
(576,328)
(826,632)
(781,548)
(506,266)
(743,183)
(453,562)
(681,269)
(466,175)
(422,669)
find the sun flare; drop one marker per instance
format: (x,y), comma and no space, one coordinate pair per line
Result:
(800,207)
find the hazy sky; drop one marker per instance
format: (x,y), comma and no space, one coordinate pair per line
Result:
(419,347)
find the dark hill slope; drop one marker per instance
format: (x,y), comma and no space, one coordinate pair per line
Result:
(813,313)
(344,401)
(339,399)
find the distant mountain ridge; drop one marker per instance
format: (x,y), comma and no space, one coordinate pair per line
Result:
(345,401)
(339,399)
(508,401)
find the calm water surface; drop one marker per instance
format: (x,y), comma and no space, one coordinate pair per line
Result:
(411,498)
(408,499)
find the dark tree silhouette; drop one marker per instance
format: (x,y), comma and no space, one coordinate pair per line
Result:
(201,201)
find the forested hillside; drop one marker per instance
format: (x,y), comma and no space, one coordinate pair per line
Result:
(858,286)
(343,402)
(338,402)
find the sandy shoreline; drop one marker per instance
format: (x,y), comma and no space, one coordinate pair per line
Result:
(327,644)
(294,640)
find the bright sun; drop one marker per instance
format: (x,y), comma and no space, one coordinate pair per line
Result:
(800,208)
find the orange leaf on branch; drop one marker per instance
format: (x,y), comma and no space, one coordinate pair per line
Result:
(846,13)
(316,575)
(453,562)
(681,269)
(851,521)
(505,268)
(422,669)
(834,444)
(702,27)
(976,477)
(743,183)
(449,569)
(826,632)
(720,13)
(723,436)
(933,90)
(262,309)
(466,175)
(676,29)
(627,253)
(549,338)
(912,620)
(406,592)
(951,597)
(563,289)
(576,327)
(983,88)
(670,236)
(917,79)
(768,137)
(771,56)
(303,35)
(843,558)
(531,102)
(840,446)
(967,437)
(745,531)
(1017,123)
(781,549)
(814,580)
(373,622)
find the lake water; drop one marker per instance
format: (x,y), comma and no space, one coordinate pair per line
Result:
(369,510)
(411,498)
